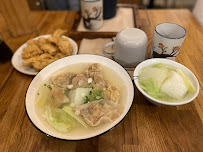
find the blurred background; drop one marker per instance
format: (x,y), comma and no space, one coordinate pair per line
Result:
(74,4)
(195,6)
(17,15)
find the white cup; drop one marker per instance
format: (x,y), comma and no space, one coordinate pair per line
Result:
(167,40)
(130,47)
(92,13)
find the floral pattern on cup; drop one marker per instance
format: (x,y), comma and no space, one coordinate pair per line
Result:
(175,50)
(92,14)
(167,41)
(163,48)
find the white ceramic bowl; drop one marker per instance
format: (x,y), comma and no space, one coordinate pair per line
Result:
(192,77)
(17,60)
(61,63)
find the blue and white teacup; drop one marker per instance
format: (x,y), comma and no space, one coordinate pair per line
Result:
(167,40)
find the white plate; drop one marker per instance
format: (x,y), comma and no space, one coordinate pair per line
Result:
(45,73)
(17,60)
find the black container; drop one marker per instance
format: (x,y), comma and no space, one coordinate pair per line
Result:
(5,52)
(109,8)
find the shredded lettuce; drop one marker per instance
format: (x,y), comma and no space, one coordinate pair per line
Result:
(70,111)
(59,119)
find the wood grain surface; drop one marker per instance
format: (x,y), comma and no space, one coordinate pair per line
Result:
(16,15)
(145,128)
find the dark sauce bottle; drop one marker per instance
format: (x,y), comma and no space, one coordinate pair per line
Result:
(109,8)
(5,52)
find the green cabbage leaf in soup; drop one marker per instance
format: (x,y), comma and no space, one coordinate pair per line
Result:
(59,119)
(71,112)
(151,79)
(165,82)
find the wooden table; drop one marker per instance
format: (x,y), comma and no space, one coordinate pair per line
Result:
(146,127)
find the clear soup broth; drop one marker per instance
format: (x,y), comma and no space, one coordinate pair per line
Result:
(81,98)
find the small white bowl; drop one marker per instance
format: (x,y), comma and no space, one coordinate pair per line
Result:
(192,77)
(67,61)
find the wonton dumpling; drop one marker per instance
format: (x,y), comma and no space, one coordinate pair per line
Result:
(93,70)
(111,93)
(79,81)
(63,80)
(100,111)
(58,95)
(99,82)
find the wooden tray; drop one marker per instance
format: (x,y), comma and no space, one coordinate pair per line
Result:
(78,35)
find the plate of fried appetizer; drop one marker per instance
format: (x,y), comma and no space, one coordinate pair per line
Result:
(40,51)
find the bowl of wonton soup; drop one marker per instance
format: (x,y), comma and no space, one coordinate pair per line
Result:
(96,97)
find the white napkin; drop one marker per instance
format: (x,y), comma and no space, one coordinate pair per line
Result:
(123,19)
(93,46)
